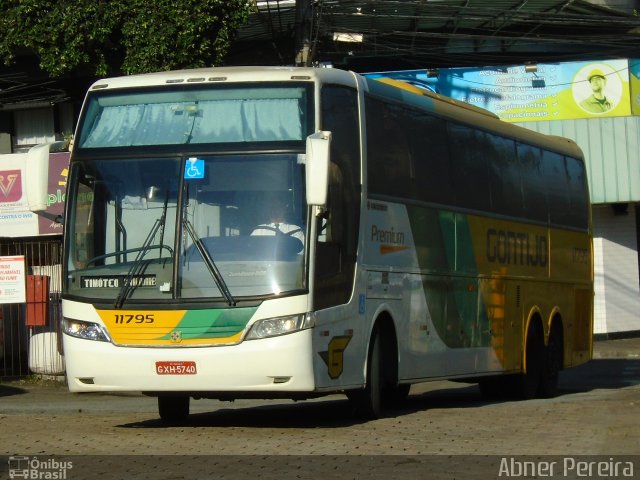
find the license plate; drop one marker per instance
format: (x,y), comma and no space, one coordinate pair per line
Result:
(176,368)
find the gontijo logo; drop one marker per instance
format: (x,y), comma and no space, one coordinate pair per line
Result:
(516,248)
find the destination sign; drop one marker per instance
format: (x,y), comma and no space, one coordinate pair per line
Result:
(117,281)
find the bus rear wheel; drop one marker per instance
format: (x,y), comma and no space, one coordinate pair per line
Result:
(553,362)
(528,382)
(173,409)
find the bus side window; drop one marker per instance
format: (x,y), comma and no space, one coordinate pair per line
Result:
(469,160)
(557,184)
(505,184)
(533,183)
(331,228)
(83,247)
(390,166)
(332,222)
(578,193)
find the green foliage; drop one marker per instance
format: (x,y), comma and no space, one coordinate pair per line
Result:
(105,37)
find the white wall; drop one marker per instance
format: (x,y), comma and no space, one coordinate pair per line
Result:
(33,126)
(617,280)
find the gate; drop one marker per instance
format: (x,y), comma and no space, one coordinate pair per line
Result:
(30,333)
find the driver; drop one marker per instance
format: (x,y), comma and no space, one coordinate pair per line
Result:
(277,224)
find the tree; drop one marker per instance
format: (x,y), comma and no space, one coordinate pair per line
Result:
(105,37)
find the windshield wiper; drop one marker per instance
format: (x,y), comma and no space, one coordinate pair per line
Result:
(211,265)
(137,268)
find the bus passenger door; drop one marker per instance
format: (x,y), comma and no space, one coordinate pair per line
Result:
(339,336)
(339,331)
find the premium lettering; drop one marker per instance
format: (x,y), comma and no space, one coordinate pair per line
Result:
(386,236)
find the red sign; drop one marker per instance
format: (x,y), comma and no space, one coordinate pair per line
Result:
(10,185)
(12,280)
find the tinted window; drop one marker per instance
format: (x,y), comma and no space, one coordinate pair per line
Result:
(578,192)
(414,155)
(533,183)
(390,170)
(470,167)
(557,188)
(504,176)
(431,159)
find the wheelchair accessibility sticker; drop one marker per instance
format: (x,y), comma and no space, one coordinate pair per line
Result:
(194,168)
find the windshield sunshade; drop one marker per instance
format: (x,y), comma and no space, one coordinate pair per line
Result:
(195,116)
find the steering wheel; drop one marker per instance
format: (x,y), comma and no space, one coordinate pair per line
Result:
(277,231)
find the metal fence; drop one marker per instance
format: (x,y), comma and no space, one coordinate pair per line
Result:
(28,346)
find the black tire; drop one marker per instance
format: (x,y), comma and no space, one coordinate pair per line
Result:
(396,396)
(368,402)
(553,362)
(173,409)
(529,381)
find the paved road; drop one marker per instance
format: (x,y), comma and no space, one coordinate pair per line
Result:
(596,413)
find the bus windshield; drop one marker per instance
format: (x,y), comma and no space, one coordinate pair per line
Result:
(217,227)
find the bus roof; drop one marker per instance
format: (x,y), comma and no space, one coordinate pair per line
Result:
(449,108)
(419,91)
(393,90)
(227,74)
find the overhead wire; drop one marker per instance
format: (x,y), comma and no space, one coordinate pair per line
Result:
(602,33)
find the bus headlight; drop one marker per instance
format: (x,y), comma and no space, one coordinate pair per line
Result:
(272,327)
(86,330)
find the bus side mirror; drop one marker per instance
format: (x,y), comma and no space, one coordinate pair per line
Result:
(317,168)
(37,175)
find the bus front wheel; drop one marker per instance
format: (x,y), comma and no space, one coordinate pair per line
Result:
(382,390)
(173,409)
(368,401)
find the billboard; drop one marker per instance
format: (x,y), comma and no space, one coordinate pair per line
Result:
(634,74)
(15,218)
(527,93)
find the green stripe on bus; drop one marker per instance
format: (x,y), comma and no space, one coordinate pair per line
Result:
(443,246)
(213,323)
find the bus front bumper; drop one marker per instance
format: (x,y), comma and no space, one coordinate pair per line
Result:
(272,365)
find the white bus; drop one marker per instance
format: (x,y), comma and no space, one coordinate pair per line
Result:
(295,232)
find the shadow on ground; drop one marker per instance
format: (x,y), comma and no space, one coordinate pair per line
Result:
(10,390)
(336,411)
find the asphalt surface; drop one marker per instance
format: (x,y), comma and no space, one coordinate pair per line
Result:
(445,430)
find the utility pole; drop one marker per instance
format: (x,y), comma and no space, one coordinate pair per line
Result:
(303,33)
